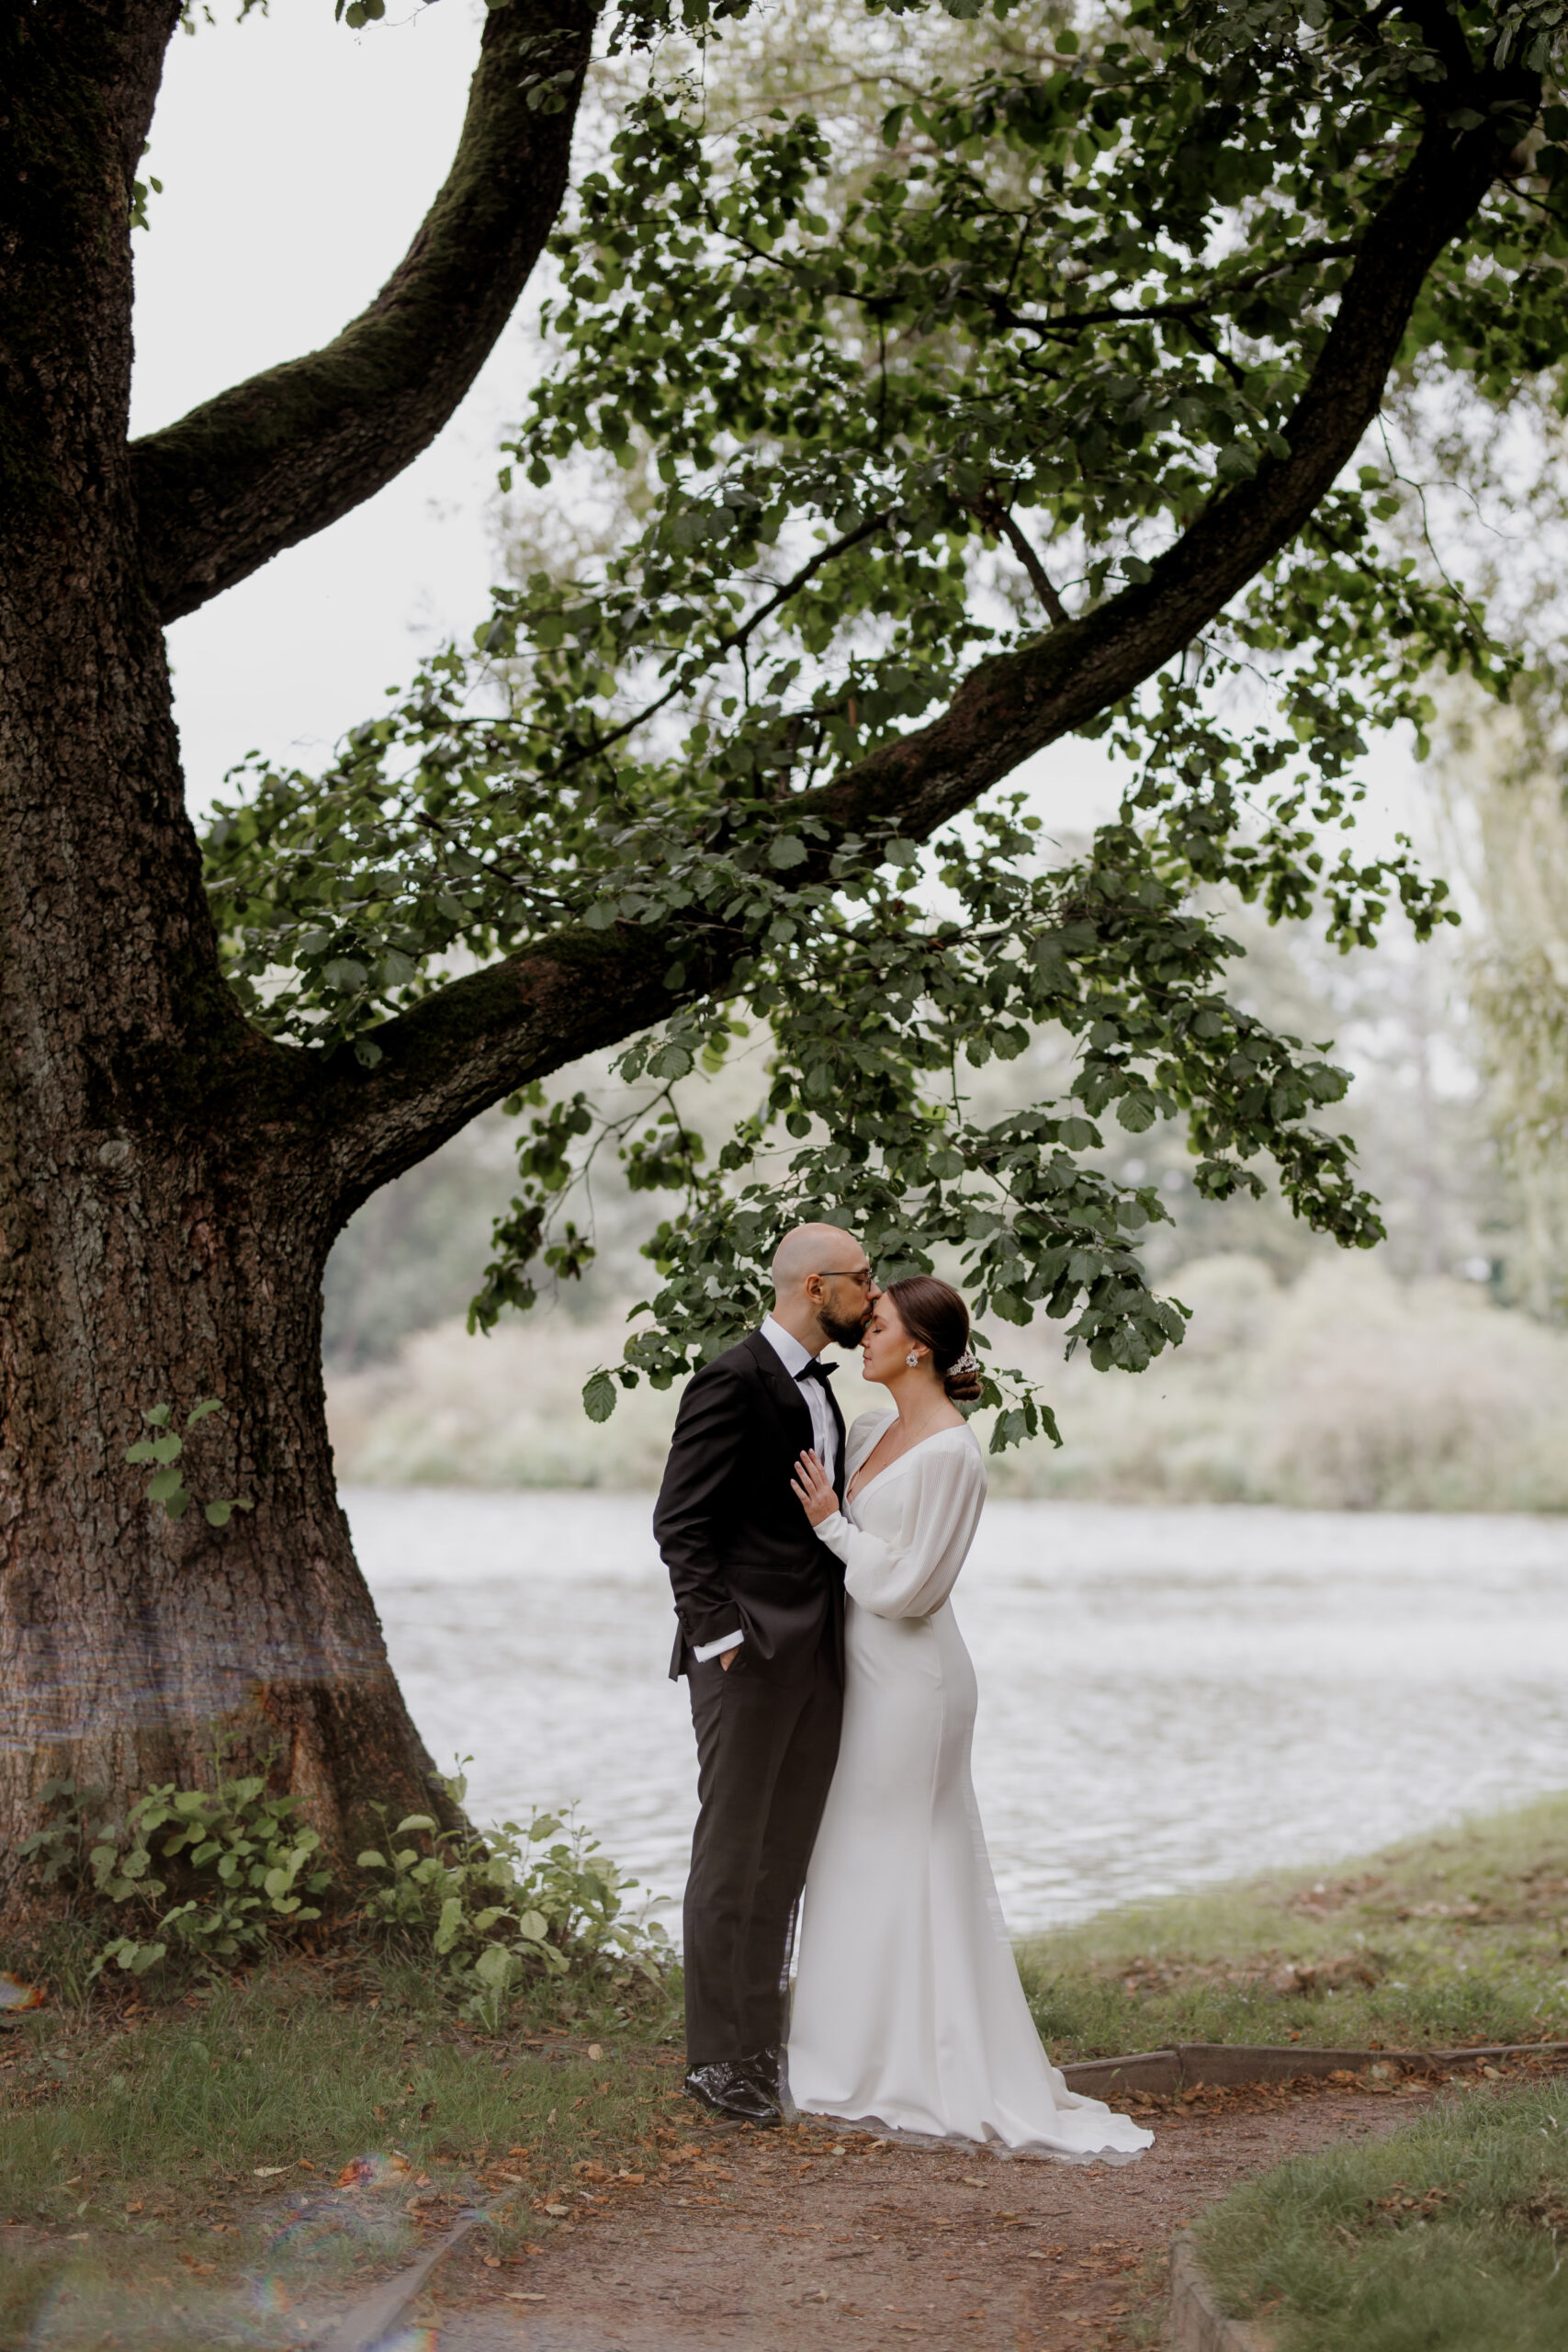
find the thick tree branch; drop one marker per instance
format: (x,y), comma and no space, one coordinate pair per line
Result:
(271,461)
(579,992)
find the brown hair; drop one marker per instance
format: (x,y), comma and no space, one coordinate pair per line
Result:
(934,1313)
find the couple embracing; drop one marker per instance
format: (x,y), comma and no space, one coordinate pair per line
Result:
(833,1701)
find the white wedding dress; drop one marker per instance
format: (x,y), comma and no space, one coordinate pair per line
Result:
(907,2010)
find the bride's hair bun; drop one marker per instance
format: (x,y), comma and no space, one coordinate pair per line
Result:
(935,1315)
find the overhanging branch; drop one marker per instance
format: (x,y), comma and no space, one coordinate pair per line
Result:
(580,991)
(271,461)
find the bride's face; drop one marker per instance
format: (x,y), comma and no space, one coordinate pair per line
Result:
(885,1346)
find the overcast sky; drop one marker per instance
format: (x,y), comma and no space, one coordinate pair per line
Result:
(297,159)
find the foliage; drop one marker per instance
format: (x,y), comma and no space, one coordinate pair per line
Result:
(501,1915)
(903,429)
(240,1866)
(167,1484)
(1507,791)
(239,1862)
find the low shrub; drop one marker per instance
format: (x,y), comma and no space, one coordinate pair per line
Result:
(498,1911)
(202,1879)
(238,1862)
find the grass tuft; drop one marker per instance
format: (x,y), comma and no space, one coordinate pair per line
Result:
(1445,2236)
(1461,1936)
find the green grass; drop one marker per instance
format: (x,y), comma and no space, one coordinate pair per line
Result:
(1458,1937)
(1451,2235)
(194,2143)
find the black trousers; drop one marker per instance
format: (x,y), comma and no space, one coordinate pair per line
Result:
(765,1754)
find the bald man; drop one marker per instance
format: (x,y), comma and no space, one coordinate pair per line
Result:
(760,1604)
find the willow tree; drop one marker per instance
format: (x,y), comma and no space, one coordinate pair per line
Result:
(1044,425)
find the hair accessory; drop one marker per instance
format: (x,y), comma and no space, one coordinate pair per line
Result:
(967,1367)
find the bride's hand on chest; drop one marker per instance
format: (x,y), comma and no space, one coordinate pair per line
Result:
(816,1496)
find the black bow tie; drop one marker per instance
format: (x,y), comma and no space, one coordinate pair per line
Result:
(816,1370)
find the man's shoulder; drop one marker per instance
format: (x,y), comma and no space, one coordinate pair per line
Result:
(738,1363)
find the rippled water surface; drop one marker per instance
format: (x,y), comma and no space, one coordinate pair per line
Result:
(1165,1695)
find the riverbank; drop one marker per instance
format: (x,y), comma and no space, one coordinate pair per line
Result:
(243,2160)
(1460,1937)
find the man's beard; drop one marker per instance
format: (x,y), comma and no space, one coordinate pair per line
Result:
(842,1332)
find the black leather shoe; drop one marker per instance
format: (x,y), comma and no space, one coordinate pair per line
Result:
(728,2090)
(764,2071)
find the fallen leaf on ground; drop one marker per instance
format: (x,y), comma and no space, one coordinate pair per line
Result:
(14,1994)
(266,2172)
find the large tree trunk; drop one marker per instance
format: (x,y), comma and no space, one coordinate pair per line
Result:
(164,1217)
(155,1270)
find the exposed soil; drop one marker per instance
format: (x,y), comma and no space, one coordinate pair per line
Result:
(767,2242)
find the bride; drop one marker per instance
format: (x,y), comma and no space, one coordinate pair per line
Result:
(907,2010)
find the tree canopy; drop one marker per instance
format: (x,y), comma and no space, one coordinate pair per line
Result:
(1058,413)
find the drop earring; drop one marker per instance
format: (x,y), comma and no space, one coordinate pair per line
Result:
(911,1359)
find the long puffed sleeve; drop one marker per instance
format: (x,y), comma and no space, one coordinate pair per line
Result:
(928,1506)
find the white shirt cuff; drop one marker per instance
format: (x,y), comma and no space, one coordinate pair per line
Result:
(703,1651)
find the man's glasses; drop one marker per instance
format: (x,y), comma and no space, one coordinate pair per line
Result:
(863,1275)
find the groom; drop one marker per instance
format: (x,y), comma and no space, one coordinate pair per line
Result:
(760,1604)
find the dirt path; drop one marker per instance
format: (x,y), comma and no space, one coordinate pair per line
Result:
(791,2241)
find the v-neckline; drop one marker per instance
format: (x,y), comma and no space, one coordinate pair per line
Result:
(854,1493)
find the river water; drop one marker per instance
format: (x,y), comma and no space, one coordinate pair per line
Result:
(1166,1695)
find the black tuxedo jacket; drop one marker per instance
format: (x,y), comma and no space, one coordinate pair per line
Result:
(740,1550)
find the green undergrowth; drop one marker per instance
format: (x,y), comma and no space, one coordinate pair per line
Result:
(189,1881)
(1449,2235)
(1460,1937)
(202,2140)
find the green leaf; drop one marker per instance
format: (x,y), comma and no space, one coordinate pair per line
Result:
(599,1396)
(496,1967)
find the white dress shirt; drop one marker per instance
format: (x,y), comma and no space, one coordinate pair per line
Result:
(795,1355)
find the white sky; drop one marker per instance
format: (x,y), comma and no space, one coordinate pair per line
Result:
(297,159)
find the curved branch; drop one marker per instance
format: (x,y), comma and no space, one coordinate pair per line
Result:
(271,461)
(1019,702)
(579,990)
(470,1043)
